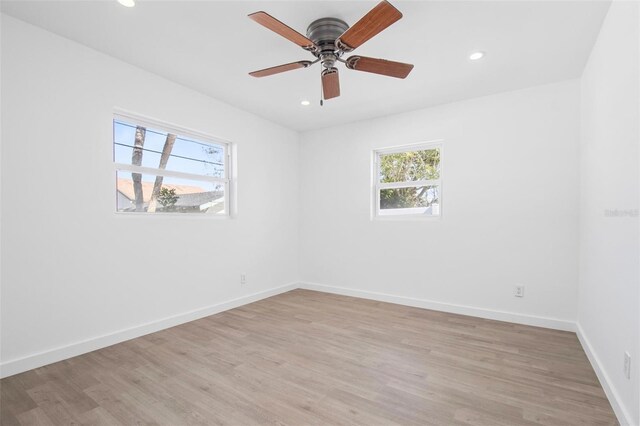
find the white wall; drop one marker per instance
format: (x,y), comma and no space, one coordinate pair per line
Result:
(74,270)
(510,197)
(608,306)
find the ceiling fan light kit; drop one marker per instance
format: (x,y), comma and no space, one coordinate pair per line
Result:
(330,38)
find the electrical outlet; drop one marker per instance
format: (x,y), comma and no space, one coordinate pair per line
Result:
(518,291)
(627,365)
(243,279)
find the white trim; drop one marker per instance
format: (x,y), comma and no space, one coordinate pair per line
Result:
(623,415)
(146,216)
(408,184)
(407,217)
(537,321)
(416,146)
(139,119)
(232,175)
(19,365)
(169,173)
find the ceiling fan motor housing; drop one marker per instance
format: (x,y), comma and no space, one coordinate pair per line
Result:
(324,32)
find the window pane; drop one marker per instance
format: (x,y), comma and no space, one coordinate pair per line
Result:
(174,195)
(184,154)
(410,166)
(418,200)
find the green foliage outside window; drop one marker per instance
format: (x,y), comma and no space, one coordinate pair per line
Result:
(167,198)
(409,167)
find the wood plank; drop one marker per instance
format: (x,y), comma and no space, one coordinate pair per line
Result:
(306,357)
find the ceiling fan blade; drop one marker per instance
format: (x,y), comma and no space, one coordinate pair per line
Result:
(378,18)
(284,30)
(330,83)
(280,68)
(379,66)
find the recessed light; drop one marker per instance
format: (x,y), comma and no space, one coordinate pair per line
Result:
(476,56)
(127,3)
(305,103)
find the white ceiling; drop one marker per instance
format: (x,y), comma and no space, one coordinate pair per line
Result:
(210,46)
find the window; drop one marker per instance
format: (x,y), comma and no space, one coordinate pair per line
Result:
(160,169)
(407,181)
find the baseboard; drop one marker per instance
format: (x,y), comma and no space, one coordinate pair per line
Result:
(19,365)
(623,415)
(553,323)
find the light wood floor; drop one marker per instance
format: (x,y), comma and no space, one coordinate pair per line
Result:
(305,357)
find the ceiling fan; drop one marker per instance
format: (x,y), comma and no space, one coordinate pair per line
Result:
(329,38)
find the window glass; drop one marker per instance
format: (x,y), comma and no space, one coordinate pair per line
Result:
(164,171)
(408,181)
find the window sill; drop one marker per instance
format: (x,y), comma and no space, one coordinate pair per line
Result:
(408,217)
(173,215)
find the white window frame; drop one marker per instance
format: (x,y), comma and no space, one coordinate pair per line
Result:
(226,180)
(376,185)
